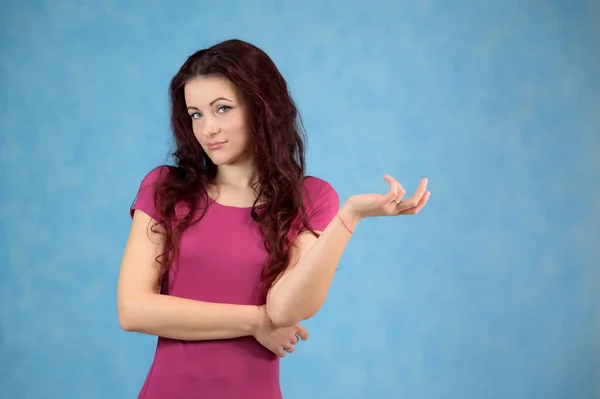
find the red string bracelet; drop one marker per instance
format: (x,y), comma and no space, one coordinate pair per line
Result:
(344,223)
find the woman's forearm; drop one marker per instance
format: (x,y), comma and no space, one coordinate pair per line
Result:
(186,319)
(302,290)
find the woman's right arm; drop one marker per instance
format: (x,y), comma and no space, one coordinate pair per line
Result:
(143,309)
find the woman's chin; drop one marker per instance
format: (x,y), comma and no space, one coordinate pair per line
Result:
(221,159)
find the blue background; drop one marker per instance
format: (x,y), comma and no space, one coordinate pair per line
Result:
(492,292)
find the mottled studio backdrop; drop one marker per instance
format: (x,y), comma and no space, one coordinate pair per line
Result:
(492,292)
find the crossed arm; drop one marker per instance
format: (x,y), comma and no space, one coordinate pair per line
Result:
(296,296)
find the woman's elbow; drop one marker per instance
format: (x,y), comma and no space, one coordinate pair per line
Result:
(126,316)
(288,318)
(125,324)
(281,321)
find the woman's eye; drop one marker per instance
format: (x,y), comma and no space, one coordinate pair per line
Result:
(196,115)
(223,108)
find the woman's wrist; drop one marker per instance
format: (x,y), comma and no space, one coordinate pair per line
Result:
(259,319)
(349,216)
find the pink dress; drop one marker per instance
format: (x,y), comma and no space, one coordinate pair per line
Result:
(220,260)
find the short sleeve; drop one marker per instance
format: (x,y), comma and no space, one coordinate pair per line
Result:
(144,200)
(322,203)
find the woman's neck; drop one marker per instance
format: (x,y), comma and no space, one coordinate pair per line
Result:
(240,177)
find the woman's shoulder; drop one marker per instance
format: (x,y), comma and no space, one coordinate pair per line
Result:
(144,199)
(313,186)
(156,174)
(319,192)
(321,201)
(315,183)
(161,174)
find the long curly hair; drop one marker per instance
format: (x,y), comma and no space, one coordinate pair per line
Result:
(279,148)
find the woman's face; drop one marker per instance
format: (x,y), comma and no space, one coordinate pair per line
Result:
(219,119)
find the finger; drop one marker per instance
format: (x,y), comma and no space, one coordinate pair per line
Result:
(423,202)
(301,332)
(417,209)
(289,348)
(278,351)
(421,189)
(395,187)
(396,190)
(415,200)
(295,340)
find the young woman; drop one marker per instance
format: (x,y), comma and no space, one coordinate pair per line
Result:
(233,246)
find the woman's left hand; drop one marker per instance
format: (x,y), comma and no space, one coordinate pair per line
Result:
(390,204)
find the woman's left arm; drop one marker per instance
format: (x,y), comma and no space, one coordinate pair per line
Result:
(303,287)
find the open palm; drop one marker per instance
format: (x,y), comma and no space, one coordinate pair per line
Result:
(391,203)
